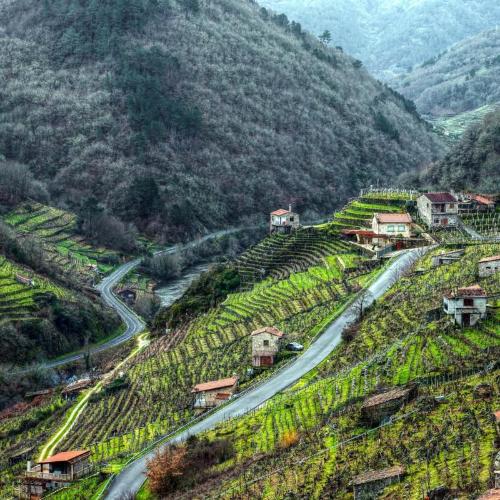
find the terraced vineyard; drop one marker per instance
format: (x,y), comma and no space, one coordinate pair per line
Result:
(486,224)
(214,345)
(18,300)
(56,229)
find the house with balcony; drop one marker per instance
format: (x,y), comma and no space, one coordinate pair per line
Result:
(265,346)
(466,305)
(438,209)
(54,472)
(284,221)
(214,393)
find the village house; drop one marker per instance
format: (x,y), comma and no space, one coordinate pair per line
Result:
(438,209)
(265,345)
(369,485)
(447,258)
(54,472)
(284,221)
(211,394)
(483,203)
(365,236)
(466,305)
(392,224)
(381,406)
(489,266)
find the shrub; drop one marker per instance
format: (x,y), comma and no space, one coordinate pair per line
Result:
(290,438)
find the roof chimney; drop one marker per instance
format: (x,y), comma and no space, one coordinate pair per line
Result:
(290,207)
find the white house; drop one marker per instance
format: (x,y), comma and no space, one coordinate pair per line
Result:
(489,266)
(392,224)
(467,305)
(284,221)
(265,345)
(438,209)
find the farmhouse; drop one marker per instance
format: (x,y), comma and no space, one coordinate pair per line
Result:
(214,393)
(284,221)
(380,406)
(466,305)
(368,485)
(489,266)
(265,345)
(55,472)
(392,224)
(446,258)
(483,203)
(438,209)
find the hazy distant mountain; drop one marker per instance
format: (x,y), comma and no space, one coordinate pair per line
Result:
(463,78)
(390,36)
(180,116)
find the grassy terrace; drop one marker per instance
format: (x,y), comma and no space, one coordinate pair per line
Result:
(486,224)
(214,345)
(56,229)
(18,301)
(395,345)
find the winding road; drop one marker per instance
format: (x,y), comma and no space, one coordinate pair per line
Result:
(131,478)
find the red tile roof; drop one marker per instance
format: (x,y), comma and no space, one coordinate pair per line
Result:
(394,218)
(441,197)
(215,384)
(268,329)
(281,211)
(468,291)
(223,396)
(65,456)
(490,259)
(490,495)
(363,232)
(377,475)
(497,416)
(482,199)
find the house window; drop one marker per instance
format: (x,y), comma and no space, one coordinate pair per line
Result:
(446,306)
(401,228)
(468,302)
(291,219)
(436,221)
(390,229)
(266,343)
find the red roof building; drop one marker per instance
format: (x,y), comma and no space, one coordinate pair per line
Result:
(441,197)
(216,384)
(214,393)
(393,218)
(268,329)
(284,221)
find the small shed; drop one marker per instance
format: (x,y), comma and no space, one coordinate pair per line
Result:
(265,345)
(72,390)
(447,258)
(380,406)
(214,393)
(284,221)
(369,485)
(24,280)
(467,305)
(489,266)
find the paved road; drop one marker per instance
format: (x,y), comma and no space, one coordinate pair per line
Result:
(132,477)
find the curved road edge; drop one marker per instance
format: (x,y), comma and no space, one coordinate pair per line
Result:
(132,477)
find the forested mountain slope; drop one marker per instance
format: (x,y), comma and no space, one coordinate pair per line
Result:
(474,163)
(463,78)
(187,116)
(390,36)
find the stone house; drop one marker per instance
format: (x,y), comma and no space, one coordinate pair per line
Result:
(489,266)
(438,209)
(265,345)
(214,393)
(54,472)
(447,258)
(24,280)
(369,485)
(284,221)
(380,406)
(392,224)
(466,305)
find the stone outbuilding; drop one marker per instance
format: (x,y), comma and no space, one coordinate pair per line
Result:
(447,258)
(284,221)
(380,406)
(489,266)
(466,305)
(265,345)
(438,209)
(71,391)
(55,472)
(369,485)
(214,393)
(392,224)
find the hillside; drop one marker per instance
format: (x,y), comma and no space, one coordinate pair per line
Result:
(473,163)
(463,78)
(245,112)
(390,36)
